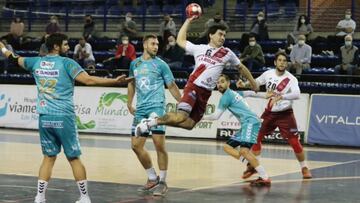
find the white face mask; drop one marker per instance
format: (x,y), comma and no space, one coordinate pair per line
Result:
(125,41)
(347,17)
(252,43)
(302,21)
(53,21)
(260,18)
(127,19)
(172,43)
(348,43)
(301,42)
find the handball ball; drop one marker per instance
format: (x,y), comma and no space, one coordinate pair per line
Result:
(193,9)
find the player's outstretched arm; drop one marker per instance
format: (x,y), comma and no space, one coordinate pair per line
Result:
(215,116)
(174,90)
(181,38)
(246,73)
(87,79)
(8,54)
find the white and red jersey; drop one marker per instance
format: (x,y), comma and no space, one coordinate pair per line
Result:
(285,85)
(209,63)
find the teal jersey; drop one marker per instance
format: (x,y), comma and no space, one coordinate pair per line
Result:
(54,76)
(150,76)
(236,104)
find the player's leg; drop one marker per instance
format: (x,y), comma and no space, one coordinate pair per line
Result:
(69,137)
(138,146)
(288,129)
(162,158)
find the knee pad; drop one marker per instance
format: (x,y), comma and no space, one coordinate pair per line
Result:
(295,144)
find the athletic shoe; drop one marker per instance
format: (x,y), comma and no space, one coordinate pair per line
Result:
(161,189)
(39,200)
(249,172)
(150,184)
(261,182)
(84,199)
(306,173)
(142,127)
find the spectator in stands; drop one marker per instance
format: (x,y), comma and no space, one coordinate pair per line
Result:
(16,32)
(253,56)
(303,27)
(128,27)
(3,59)
(167,28)
(124,55)
(173,54)
(83,54)
(43,51)
(300,56)
(216,20)
(53,26)
(89,28)
(259,27)
(349,58)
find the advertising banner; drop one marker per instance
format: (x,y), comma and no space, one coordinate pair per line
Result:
(334,120)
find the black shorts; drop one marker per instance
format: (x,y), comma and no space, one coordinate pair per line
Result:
(235,143)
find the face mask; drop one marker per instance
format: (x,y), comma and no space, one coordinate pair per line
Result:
(53,21)
(348,43)
(302,21)
(127,19)
(252,43)
(347,17)
(301,42)
(172,43)
(260,18)
(125,41)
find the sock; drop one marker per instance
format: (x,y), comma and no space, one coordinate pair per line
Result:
(302,164)
(152,122)
(83,188)
(41,189)
(151,173)
(261,171)
(163,174)
(243,160)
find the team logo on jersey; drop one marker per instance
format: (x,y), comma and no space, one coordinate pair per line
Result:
(47,65)
(47,73)
(144,83)
(135,72)
(42,103)
(137,64)
(281,86)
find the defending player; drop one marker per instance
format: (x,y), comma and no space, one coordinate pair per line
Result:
(150,74)
(282,88)
(210,60)
(54,76)
(250,124)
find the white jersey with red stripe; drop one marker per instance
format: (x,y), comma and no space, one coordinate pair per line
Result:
(209,63)
(285,84)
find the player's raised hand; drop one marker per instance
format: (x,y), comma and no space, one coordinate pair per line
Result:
(240,84)
(124,79)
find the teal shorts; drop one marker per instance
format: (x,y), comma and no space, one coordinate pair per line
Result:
(248,132)
(146,113)
(56,131)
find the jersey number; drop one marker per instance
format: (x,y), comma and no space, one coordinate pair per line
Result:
(47,86)
(271,85)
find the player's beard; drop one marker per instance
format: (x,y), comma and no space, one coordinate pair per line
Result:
(281,71)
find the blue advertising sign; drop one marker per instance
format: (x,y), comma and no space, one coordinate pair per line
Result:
(334,120)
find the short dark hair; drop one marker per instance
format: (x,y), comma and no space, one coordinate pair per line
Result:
(252,36)
(226,77)
(280,53)
(55,39)
(212,30)
(149,36)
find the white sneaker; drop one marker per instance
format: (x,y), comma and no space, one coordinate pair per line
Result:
(84,199)
(39,200)
(142,127)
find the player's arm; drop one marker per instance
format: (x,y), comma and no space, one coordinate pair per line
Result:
(246,73)
(87,79)
(214,116)
(11,56)
(174,90)
(261,95)
(181,38)
(131,93)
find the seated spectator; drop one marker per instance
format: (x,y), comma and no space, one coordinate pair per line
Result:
(259,27)
(4,60)
(128,27)
(16,32)
(43,51)
(303,27)
(89,28)
(216,20)
(83,54)
(53,26)
(124,55)
(300,56)
(253,56)
(349,58)
(167,28)
(173,54)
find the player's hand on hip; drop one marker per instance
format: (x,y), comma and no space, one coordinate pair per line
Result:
(131,109)
(124,79)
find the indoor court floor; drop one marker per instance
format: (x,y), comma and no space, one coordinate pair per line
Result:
(199,171)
